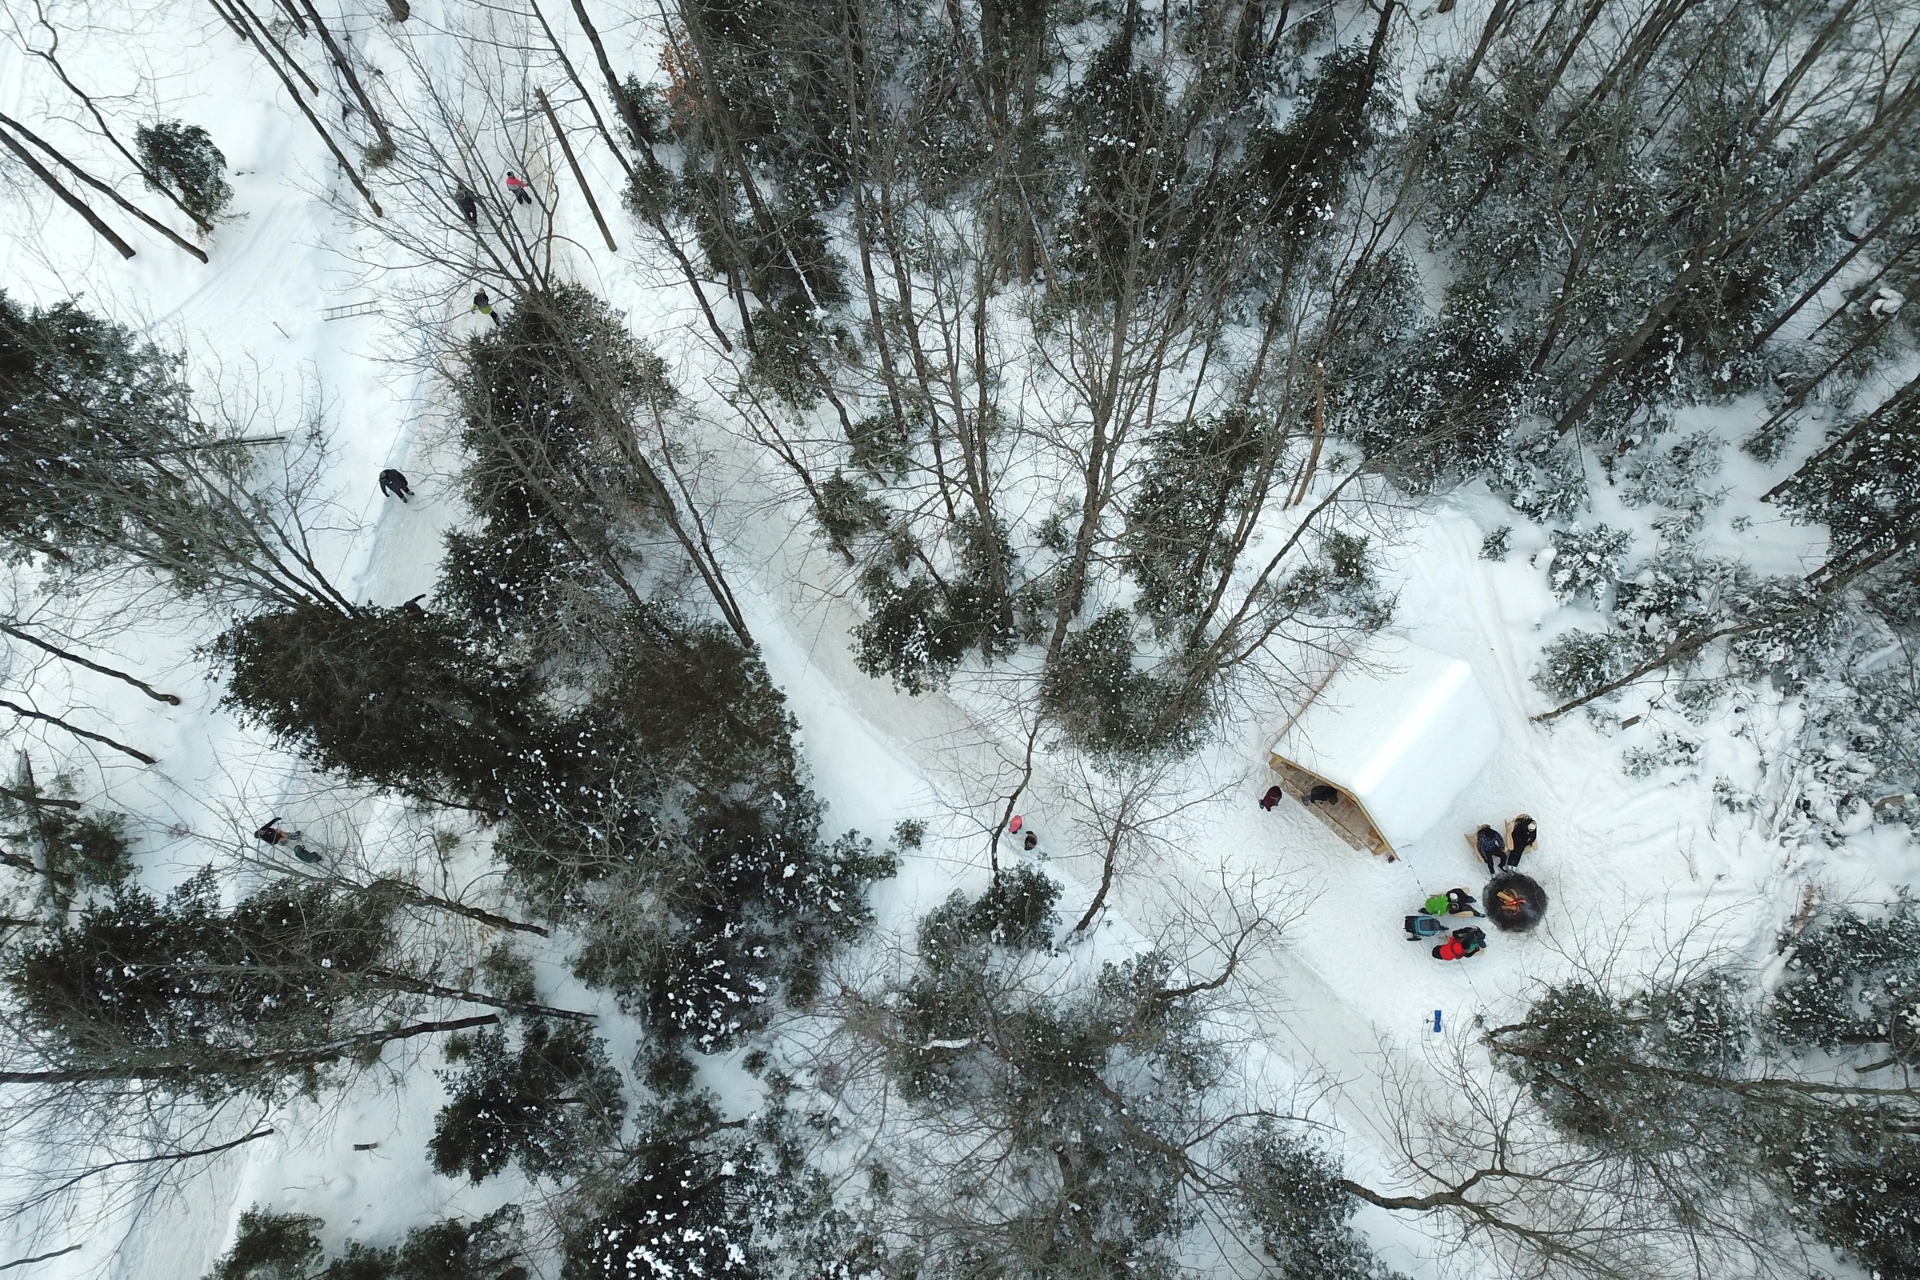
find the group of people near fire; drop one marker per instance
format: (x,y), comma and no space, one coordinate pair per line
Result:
(1517,902)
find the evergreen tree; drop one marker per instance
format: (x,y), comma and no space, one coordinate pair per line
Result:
(185,156)
(550,1106)
(684,1213)
(399,699)
(88,414)
(289,981)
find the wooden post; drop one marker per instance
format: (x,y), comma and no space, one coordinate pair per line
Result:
(566,149)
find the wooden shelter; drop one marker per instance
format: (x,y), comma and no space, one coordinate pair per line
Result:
(1399,732)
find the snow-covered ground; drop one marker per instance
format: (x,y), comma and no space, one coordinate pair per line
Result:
(1630,864)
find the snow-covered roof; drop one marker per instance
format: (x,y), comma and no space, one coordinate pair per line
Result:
(1400,728)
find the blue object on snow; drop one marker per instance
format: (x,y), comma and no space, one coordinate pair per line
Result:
(1436,1022)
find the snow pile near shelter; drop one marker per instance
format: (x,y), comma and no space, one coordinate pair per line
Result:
(1401,729)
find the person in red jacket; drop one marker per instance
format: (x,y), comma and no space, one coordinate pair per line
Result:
(518,186)
(1461,943)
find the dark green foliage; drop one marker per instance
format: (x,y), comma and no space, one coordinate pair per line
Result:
(554,403)
(1105,705)
(1857,1186)
(846,511)
(1338,587)
(1592,1060)
(1017,908)
(271,1246)
(1197,483)
(400,700)
(917,631)
(1093,1098)
(1290,1194)
(185,157)
(1296,176)
(1667,1081)
(89,849)
(1864,485)
(1015,912)
(1497,544)
(137,981)
(686,1213)
(1446,401)
(678,786)
(287,1247)
(1853,982)
(86,407)
(549,1106)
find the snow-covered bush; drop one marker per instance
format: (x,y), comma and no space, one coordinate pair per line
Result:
(1581,661)
(1496,544)
(1668,751)
(1675,478)
(185,157)
(1587,562)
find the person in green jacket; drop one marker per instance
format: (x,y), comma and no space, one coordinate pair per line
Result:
(1454,902)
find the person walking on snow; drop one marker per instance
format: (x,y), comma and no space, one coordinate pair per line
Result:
(1492,848)
(1271,799)
(274,836)
(484,305)
(469,206)
(518,186)
(394,485)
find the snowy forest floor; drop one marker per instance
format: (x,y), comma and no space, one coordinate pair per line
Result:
(1343,1004)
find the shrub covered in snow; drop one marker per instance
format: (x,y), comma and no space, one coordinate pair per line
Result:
(1587,562)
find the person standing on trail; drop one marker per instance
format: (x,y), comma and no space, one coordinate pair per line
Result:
(518,186)
(274,835)
(469,206)
(484,305)
(394,485)
(1491,846)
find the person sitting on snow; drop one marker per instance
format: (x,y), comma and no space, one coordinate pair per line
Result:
(1522,835)
(1423,926)
(1462,943)
(1454,902)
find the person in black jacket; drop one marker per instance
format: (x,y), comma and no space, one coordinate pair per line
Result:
(1491,846)
(1522,835)
(395,485)
(469,206)
(274,835)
